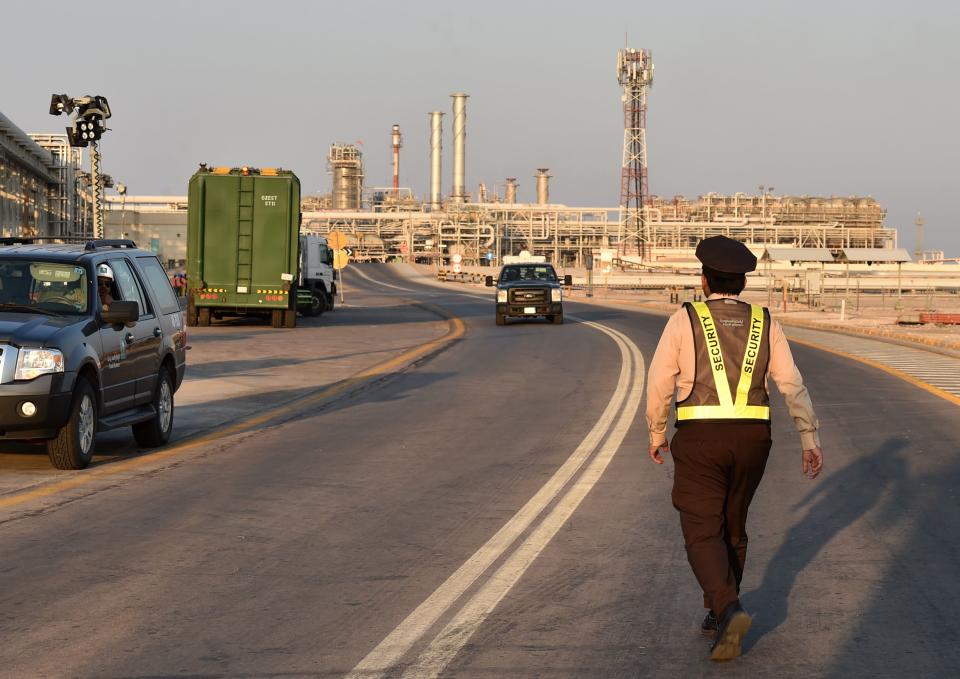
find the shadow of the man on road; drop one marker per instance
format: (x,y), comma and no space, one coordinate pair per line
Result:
(836,503)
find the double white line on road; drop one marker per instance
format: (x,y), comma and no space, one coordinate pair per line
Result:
(595,451)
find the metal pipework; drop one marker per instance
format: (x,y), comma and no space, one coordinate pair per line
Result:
(543,186)
(436,146)
(510,194)
(396,159)
(459,194)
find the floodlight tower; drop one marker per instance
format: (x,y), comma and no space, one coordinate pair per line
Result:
(635,74)
(87,126)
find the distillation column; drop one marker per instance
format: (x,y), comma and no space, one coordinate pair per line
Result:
(346,164)
(510,194)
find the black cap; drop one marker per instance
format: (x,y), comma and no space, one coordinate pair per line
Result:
(726,255)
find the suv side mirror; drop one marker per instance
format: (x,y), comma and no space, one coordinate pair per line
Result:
(568,280)
(489,281)
(120,312)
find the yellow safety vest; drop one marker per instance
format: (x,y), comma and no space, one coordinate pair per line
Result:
(729,408)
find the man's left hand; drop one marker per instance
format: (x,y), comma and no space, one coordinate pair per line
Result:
(656,450)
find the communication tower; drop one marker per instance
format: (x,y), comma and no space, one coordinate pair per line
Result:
(635,74)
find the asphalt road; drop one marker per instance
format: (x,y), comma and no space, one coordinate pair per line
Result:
(491,512)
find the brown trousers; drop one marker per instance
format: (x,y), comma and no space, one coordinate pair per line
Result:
(718,467)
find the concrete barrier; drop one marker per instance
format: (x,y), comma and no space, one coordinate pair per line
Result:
(940,319)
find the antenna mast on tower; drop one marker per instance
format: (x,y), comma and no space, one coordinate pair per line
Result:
(635,74)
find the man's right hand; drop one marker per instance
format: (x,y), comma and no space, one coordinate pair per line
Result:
(812,462)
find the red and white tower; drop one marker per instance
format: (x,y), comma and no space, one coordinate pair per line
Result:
(396,160)
(635,74)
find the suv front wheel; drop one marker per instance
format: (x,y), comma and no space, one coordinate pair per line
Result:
(156,432)
(72,448)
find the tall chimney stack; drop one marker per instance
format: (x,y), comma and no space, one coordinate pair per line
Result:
(436,146)
(396,160)
(543,186)
(459,194)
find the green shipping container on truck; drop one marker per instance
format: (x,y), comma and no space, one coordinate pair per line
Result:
(242,244)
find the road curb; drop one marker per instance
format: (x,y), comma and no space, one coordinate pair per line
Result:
(947,347)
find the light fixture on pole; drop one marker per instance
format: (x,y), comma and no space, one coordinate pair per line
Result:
(86,128)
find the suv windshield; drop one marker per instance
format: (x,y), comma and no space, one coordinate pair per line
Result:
(42,287)
(528,272)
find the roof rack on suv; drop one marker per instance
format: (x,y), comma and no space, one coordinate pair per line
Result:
(109,243)
(50,240)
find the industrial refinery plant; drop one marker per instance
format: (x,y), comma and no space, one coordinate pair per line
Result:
(644,232)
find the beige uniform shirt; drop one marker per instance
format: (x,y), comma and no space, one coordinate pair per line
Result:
(672,373)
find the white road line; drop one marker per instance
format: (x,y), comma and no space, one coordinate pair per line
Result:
(444,648)
(360,273)
(402,639)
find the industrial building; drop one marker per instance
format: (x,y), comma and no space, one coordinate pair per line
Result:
(157,223)
(43,190)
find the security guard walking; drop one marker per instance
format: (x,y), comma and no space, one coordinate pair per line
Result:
(715,356)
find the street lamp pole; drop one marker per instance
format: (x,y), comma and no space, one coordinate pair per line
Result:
(122,190)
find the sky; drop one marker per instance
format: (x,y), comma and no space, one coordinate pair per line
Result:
(816,98)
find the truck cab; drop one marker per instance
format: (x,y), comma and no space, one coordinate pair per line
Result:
(529,290)
(318,278)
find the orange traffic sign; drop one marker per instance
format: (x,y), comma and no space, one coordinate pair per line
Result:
(340,259)
(337,240)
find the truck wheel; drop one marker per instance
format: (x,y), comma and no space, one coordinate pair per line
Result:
(317,303)
(557,319)
(72,447)
(203,317)
(276,318)
(191,313)
(501,319)
(290,318)
(156,432)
